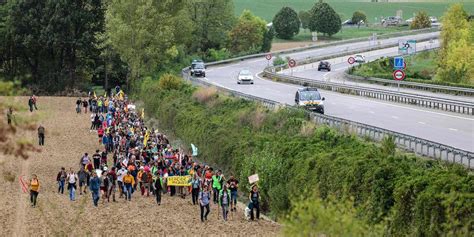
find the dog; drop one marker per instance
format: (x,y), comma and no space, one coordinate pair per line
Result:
(247,213)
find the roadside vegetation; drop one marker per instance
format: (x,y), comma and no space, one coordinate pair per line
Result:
(313,178)
(451,65)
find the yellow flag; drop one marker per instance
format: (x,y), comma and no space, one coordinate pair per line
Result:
(147,136)
(121,95)
(143,114)
(95,96)
(105,94)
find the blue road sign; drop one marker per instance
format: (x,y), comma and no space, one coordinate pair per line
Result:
(398,62)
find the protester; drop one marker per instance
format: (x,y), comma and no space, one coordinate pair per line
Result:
(41,135)
(129,182)
(96,158)
(224,200)
(61,178)
(158,185)
(32,103)
(72,179)
(195,183)
(233,184)
(94,187)
(78,105)
(83,176)
(254,197)
(35,100)
(217,180)
(112,178)
(85,104)
(9,115)
(34,190)
(204,200)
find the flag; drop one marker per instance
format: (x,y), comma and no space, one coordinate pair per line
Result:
(195,149)
(147,136)
(105,94)
(121,94)
(95,96)
(143,113)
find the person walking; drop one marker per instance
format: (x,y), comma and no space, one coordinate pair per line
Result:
(41,135)
(94,187)
(34,190)
(9,115)
(96,158)
(31,103)
(129,182)
(233,186)
(254,200)
(71,186)
(78,105)
(216,186)
(224,200)
(35,100)
(204,200)
(85,104)
(158,189)
(195,183)
(83,176)
(112,176)
(61,179)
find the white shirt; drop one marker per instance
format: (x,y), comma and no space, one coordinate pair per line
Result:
(120,175)
(71,178)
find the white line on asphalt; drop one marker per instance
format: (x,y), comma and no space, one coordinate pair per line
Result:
(453,129)
(421,122)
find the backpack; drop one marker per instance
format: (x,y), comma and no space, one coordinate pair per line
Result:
(144,177)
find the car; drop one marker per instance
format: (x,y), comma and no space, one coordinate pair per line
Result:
(198,68)
(309,98)
(359,58)
(392,21)
(245,76)
(324,65)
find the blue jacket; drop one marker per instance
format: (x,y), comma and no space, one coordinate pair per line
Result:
(94,184)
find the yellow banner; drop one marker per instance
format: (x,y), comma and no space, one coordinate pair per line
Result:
(179,181)
(147,136)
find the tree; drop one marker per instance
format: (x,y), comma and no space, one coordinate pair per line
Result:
(286,23)
(359,17)
(304,18)
(56,40)
(212,21)
(267,40)
(422,20)
(324,19)
(144,33)
(247,34)
(456,65)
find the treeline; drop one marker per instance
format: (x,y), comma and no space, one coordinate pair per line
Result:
(53,45)
(316,180)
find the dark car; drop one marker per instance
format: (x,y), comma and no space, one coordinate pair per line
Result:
(324,65)
(310,99)
(198,68)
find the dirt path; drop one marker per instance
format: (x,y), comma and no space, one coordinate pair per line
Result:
(67,138)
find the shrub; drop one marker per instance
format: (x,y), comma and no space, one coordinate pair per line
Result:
(278,61)
(170,82)
(204,95)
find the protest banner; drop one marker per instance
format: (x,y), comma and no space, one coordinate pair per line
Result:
(182,181)
(253,178)
(24,186)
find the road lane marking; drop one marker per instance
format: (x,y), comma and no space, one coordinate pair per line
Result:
(422,123)
(453,129)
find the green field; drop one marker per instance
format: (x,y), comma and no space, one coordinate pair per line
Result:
(268,8)
(345,33)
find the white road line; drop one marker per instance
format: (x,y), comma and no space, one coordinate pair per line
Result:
(453,129)
(422,123)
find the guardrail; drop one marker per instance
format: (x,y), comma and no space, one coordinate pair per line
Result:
(340,42)
(450,105)
(413,85)
(410,143)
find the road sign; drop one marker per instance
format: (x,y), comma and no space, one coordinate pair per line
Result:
(398,62)
(406,46)
(292,63)
(351,60)
(398,75)
(268,56)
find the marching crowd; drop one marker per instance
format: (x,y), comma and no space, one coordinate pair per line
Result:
(137,160)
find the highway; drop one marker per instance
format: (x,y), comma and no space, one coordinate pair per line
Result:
(443,127)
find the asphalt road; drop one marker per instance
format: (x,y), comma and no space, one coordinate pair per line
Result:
(444,127)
